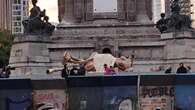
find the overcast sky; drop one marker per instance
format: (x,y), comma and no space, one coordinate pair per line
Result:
(52,7)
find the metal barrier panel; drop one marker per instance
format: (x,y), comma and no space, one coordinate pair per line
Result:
(185,92)
(185,97)
(85,98)
(128,92)
(156,92)
(55,97)
(120,98)
(103,93)
(15,94)
(50,91)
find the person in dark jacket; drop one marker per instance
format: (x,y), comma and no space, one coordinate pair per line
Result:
(64,72)
(181,69)
(5,73)
(168,70)
(82,70)
(74,71)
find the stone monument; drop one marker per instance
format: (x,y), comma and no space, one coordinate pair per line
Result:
(125,29)
(29,53)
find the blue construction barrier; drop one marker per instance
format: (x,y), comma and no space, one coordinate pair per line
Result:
(15,94)
(156,92)
(137,92)
(102,92)
(51,91)
(185,92)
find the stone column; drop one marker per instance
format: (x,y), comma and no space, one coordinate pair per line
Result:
(149,9)
(79,10)
(68,12)
(61,9)
(131,10)
(121,9)
(142,16)
(116,48)
(89,10)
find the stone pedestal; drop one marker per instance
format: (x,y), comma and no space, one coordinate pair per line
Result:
(178,34)
(179,48)
(141,40)
(29,55)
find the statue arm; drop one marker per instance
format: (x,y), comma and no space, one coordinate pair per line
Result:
(79,61)
(74,58)
(50,71)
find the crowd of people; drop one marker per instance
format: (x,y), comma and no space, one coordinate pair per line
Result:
(108,70)
(79,70)
(182,69)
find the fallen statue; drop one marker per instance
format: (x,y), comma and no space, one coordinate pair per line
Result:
(95,63)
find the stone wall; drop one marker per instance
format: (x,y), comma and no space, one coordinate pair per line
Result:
(30,55)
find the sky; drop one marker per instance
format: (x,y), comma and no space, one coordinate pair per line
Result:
(51,7)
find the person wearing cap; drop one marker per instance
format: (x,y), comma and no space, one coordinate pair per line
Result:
(181,69)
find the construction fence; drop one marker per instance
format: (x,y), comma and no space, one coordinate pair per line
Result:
(127,92)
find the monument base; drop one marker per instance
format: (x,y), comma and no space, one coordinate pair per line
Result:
(33,55)
(29,55)
(178,34)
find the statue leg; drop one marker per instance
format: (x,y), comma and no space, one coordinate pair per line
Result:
(89,66)
(120,65)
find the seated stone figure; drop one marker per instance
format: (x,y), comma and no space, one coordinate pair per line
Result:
(35,24)
(162,24)
(48,27)
(176,22)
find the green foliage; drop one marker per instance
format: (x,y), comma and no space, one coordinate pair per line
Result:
(6,40)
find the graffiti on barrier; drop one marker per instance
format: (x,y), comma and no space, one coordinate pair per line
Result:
(158,91)
(55,97)
(125,105)
(157,97)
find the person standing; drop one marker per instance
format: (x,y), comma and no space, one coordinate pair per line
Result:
(111,70)
(5,73)
(64,72)
(106,69)
(168,70)
(189,70)
(181,69)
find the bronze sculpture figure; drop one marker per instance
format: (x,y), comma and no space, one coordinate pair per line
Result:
(35,24)
(176,22)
